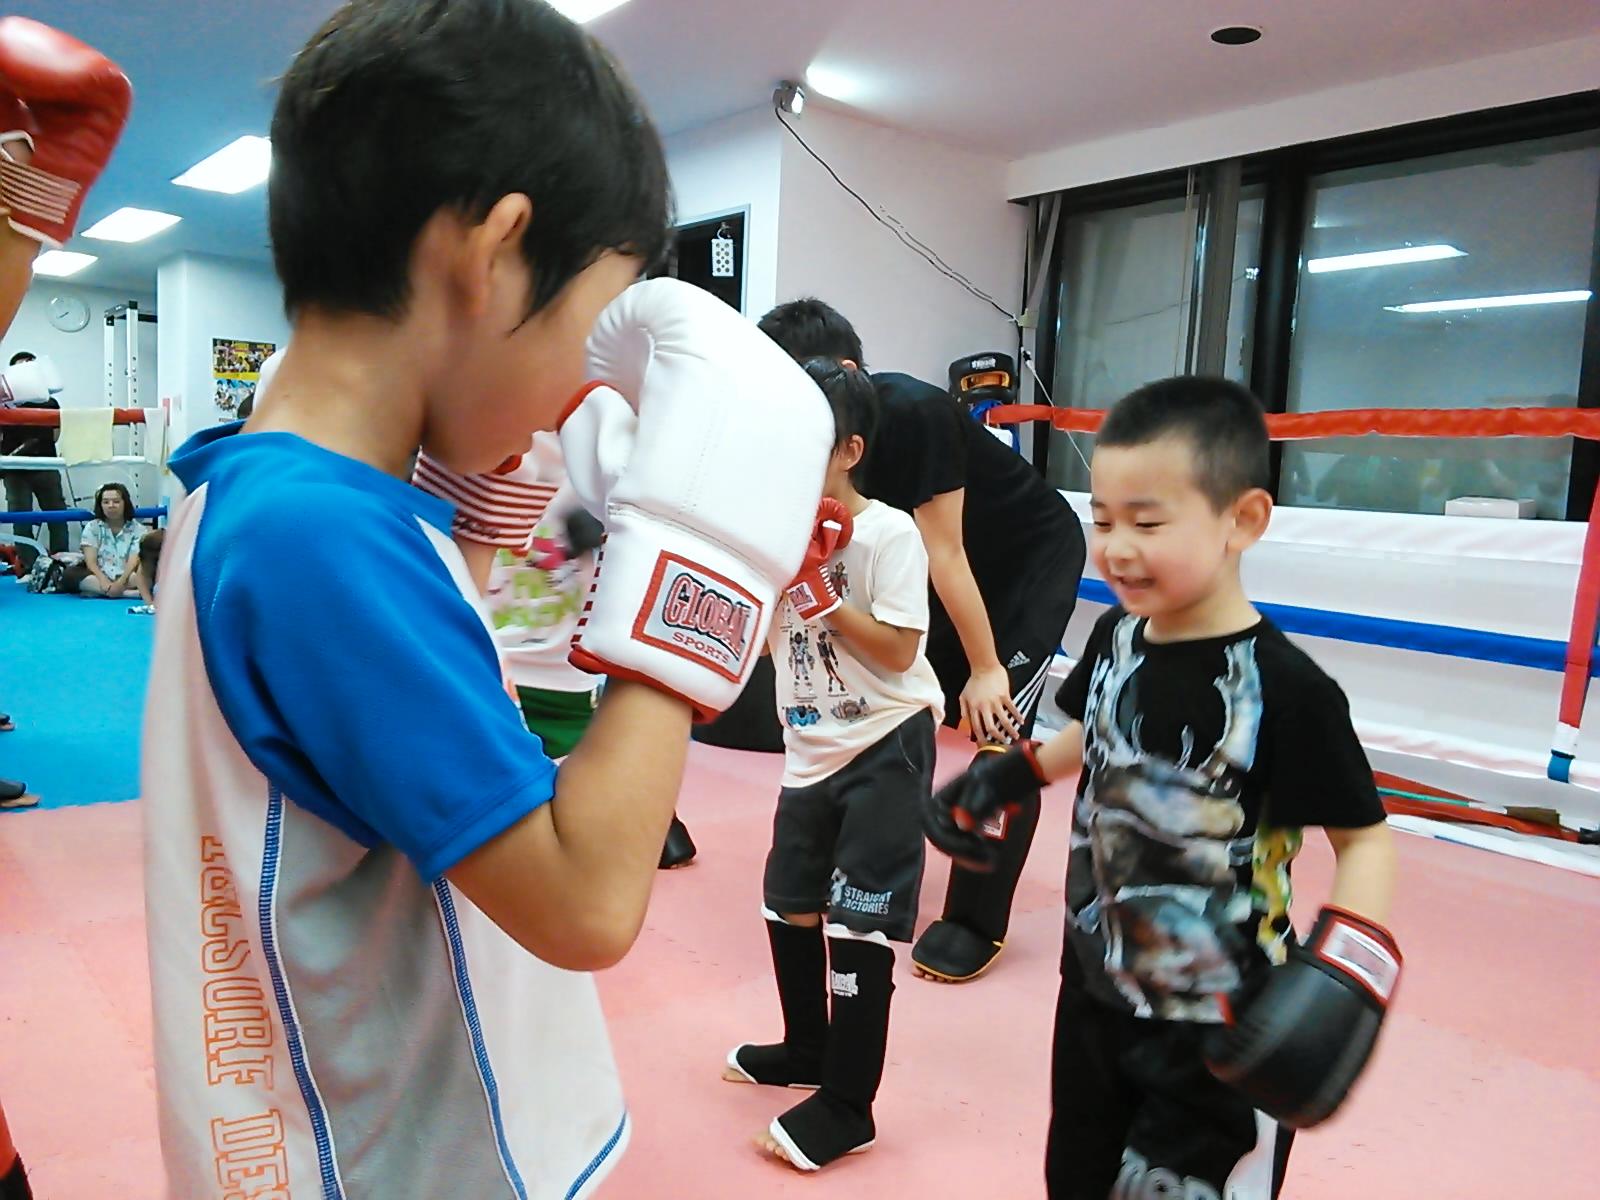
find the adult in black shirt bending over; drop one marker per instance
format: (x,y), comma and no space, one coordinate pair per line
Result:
(1005,554)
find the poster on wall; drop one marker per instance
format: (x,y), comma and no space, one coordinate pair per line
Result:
(235,370)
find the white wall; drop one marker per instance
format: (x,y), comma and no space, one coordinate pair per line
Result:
(910,317)
(204,298)
(1539,73)
(80,357)
(729,165)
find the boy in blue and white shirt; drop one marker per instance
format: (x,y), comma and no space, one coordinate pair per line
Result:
(370,893)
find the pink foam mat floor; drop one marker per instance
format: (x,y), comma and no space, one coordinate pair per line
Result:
(1487,1083)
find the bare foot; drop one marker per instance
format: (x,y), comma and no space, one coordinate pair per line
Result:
(767,1144)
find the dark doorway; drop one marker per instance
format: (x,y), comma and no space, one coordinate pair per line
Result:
(694,255)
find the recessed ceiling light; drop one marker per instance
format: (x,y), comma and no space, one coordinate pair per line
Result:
(833,83)
(58,264)
(1382,258)
(239,166)
(1236,35)
(585,10)
(1474,302)
(130,225)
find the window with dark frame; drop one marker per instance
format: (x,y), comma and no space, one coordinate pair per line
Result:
(1451,264)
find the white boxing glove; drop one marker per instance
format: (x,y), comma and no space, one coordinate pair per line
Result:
(702,447)
(29,383)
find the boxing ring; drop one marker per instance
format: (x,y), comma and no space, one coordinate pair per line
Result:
(143,446)
(1448,634)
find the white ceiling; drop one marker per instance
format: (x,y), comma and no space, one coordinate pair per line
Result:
(1008,77)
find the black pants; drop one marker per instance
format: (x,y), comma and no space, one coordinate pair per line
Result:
(1134,1113)
(23,489)
(1026,637)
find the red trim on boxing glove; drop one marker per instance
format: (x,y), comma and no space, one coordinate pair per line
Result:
(1360,949)
(810,604)
(594,665)
(1030,751)
(730,620)
(578,398)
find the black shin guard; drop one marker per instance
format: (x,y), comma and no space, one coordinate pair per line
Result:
(977,905)
(982,901)
(861,978)
(800,965)
(838,1119)
(14,1183)
(679,849)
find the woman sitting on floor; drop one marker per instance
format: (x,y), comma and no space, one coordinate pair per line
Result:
(111,548)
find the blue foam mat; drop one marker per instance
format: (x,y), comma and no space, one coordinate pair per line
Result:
(72,676)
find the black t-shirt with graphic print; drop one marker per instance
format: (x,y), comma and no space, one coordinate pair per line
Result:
(1203,761)
(1022,539)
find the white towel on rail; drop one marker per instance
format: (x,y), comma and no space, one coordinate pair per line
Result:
(155,436)
(85,435)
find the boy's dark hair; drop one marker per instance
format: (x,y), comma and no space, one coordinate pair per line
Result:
(396,109)
(21,356)
(809,328)
(1222,422)
(99,497)
(853,398)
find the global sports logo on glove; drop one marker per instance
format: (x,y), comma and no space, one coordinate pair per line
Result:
(695,613)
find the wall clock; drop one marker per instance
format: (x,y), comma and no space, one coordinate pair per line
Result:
(69,314)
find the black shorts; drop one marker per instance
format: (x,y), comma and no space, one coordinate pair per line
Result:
(851,845)
(1026,640)
(1135,1112)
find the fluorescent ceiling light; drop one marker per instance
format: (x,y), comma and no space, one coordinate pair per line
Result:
(131,225)
(1432,306)
(833,83)
(58,264)
(1382,258)
(585,10)
(239,166)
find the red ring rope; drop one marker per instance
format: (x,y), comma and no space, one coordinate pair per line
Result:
(1357,422)
(1440,423)
(50,417)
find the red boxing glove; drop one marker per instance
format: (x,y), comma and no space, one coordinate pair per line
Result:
(16,122)
(812,592)
(500,508)
(78,102)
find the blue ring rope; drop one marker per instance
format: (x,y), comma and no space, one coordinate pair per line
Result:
(1511,649)
(62,516)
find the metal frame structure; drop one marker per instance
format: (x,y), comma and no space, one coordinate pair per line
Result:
(130,313)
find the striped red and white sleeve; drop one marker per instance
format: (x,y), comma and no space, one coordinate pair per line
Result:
(499,508)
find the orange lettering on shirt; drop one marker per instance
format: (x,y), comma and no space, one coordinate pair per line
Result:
(250,1158)
(238,1016)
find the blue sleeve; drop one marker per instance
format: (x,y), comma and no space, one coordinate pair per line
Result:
(360,681)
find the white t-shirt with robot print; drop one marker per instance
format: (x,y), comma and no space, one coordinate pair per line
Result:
(834,705)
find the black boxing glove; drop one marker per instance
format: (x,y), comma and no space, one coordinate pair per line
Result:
(998,779)
(1296,1047)
(584,532)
